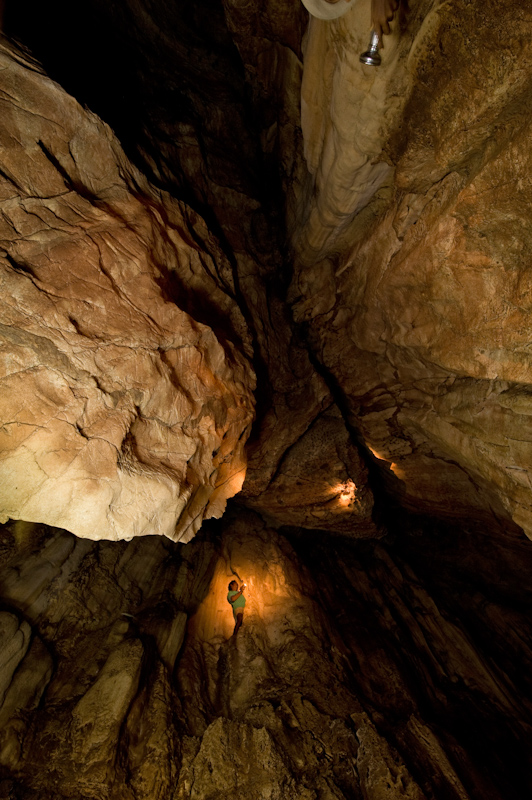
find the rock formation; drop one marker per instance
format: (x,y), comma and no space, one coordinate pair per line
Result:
(367,670)
(122,415)
(402,198)
(411,261)
(237,263)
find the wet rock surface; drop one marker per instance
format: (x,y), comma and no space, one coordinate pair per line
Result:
(361,670)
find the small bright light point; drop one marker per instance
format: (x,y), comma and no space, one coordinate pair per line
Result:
(347,492)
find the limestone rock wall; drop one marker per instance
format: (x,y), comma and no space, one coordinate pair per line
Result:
(231,145)
(362,670)
(121,413)
(404,194)
(412,249)
(321,482)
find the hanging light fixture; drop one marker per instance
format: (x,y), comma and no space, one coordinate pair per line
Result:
(371,56)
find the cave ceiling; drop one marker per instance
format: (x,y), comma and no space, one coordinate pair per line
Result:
(237,262)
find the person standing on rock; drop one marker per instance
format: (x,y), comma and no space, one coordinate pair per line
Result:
(236,598)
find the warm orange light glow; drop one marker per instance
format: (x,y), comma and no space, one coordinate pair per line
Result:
(397,470)
(375,453)
(268,590)
(346,492)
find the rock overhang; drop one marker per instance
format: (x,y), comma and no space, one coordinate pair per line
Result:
(400,314)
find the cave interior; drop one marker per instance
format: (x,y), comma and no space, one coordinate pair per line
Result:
(266,318)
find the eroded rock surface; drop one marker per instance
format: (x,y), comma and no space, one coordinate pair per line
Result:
(362,670)
(321,482)
(412,250)
(406,196)
(157,423)
(121,414)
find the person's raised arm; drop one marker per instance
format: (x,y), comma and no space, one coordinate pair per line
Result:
(237,595)
(382,13)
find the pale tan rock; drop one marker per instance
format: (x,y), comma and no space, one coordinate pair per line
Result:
(416,293)
(153,742)
(347,112)
(235,757)
(121,415)
(130,427)
(99,714)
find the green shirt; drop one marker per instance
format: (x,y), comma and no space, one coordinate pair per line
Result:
(240,602)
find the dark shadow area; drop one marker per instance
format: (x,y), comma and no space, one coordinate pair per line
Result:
(434,622)
(168,79)
(431,626)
